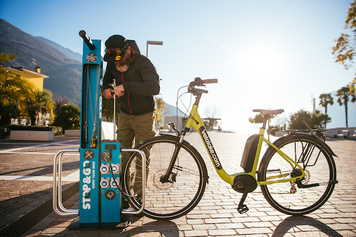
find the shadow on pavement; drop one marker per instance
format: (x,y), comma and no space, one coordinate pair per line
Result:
(303,222)
(45,170)
(154,228)
(20,214)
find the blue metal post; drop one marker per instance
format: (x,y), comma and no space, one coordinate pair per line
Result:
(100,199)
(99,162)
(89,189)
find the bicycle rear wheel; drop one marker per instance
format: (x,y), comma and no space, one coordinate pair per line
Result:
(167,200)
(318,164)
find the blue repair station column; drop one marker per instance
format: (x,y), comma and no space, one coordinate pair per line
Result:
(99,197)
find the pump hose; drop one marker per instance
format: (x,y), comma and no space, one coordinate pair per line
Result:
(117,185)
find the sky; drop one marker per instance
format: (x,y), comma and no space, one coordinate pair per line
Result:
(272,54)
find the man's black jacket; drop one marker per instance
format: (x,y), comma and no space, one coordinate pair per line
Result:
(140,81)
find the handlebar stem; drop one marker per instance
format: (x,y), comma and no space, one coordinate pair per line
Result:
(197,99)
(198,92)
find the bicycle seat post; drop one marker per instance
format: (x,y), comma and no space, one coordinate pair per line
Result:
(266,117)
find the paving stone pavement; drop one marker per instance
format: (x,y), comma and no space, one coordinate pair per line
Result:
(26,172)
(215,215)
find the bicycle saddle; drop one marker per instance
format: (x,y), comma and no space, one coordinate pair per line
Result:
(269,111)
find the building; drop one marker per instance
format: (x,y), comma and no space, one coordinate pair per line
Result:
(35,77)
(174,115)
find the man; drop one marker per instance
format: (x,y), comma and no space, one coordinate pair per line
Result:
(136,83)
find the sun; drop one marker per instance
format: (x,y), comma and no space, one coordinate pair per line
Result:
(262,63)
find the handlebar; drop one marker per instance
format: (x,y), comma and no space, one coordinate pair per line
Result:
(208,81)
(86,39)
(199,82)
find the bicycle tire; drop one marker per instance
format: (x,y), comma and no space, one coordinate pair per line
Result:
(319,167)
(166,200)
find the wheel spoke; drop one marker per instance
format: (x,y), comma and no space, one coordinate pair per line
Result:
(186,170)
(185,186)
(304,195)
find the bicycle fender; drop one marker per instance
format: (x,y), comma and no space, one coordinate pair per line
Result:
(317,140)
(174,136)
(280,140)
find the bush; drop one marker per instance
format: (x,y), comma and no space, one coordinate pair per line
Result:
(67,117)
(273,129)
(304,119)
(57,130)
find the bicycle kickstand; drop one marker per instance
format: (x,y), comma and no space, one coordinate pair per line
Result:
(242,208)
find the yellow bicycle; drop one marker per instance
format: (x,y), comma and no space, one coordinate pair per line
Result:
(297,173)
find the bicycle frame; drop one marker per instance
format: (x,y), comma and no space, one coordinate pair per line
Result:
(194,121)
(289,173)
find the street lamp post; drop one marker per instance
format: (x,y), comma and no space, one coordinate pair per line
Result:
(147,46)
(152,43)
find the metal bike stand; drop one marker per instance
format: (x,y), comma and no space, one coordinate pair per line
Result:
(143,156)
(57,184)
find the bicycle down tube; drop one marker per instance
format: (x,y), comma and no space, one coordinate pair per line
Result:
(196,122)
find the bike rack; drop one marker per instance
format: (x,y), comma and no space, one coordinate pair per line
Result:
(143,156)
(57,184)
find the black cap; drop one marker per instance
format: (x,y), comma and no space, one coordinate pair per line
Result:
(116,46)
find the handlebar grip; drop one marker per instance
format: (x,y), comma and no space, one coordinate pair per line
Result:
(207,81)
(86,39)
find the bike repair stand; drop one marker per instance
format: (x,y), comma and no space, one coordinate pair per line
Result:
(99,163)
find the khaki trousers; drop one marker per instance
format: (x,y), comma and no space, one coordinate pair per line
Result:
(134,128)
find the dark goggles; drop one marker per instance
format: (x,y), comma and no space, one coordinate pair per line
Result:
(119,53)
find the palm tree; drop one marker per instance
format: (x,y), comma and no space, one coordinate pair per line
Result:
(14,92)
(4,57)
(326,99)
(40,103)
(343,98)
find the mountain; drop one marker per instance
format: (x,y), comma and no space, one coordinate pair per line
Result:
(59,63)
(68,53)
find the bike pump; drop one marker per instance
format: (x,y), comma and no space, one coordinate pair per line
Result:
(99,163)
(114,113)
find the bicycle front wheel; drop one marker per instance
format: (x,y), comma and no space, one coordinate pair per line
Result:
(166,200)
(319,167)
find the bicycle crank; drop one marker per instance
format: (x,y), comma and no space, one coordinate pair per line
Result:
(244,184)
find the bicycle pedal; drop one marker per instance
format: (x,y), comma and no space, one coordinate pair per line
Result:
(174,177)
(242,209)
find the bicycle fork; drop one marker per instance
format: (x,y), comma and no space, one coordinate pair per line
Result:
(170,176)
